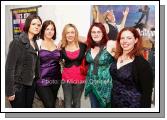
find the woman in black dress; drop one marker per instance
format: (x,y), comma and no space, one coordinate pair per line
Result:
(131,73)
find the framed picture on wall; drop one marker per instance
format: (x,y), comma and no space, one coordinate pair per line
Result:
(19,16)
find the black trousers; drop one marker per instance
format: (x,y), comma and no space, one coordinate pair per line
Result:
(24,96)
(48,94)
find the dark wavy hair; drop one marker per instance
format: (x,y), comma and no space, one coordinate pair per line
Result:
(103,42)
(44,26)
(28,23)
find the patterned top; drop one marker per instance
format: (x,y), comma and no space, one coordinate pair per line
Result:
(125,92)
(98,79)
(50,70)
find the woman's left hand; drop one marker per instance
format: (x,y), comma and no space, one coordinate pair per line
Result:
(126,11)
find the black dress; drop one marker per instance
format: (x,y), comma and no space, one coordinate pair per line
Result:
(124,93)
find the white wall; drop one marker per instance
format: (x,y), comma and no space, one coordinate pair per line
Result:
(64,14)
(78,15)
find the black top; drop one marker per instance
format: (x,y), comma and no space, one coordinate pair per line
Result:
(144,78)
(113,32)
(125,93)
(69,62)
(132,80)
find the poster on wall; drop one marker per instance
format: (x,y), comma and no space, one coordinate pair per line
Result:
(18,19)
(141,17)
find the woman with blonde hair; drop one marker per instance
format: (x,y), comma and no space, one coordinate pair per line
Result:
(73,53)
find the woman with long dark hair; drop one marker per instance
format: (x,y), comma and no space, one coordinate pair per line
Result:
(21,70)
(50,71)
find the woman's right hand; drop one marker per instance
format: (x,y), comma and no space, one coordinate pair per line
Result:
(11,98)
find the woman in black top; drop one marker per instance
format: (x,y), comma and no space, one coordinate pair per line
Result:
(21,68)
(132,74)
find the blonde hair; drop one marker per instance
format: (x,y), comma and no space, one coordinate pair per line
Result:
(64,40)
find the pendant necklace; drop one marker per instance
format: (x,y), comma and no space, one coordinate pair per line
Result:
(121,61)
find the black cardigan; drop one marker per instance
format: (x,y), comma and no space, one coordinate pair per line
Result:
(143,76)
(69,62)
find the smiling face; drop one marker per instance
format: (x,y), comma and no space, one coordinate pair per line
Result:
(35,26)
(96,34)
(127,41)
(70,34)
(49,32)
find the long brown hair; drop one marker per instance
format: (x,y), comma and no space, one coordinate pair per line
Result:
(137,50)
(44,26)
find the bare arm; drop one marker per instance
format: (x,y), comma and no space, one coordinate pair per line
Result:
(106,27)
(111,45)
(95,12)
(82,39)
(125,14)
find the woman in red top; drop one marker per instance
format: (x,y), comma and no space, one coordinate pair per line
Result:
(72,53)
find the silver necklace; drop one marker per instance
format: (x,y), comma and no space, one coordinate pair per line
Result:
(121,61)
